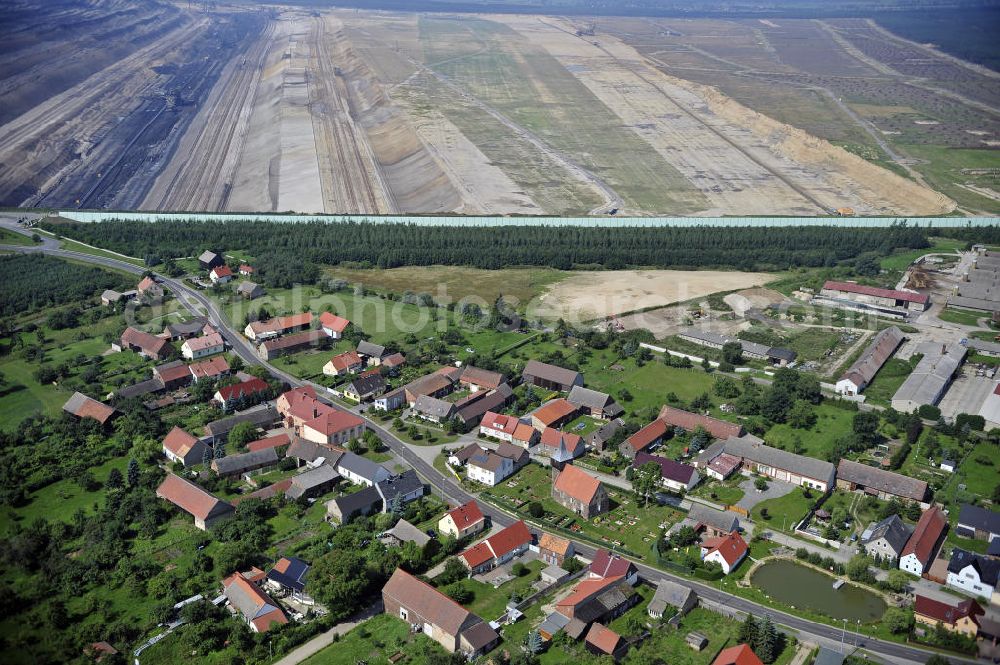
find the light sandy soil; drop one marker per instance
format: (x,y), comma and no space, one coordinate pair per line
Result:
(742,161)
(590,295)
(757,298)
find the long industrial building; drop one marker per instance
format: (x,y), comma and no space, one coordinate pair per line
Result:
(776,355)
(931,377)
(886,301)
(980,287)
(860,374)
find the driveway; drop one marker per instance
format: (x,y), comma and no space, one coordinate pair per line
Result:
(752,496)
(324,640)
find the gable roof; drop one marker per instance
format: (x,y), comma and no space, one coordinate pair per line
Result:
(592,399)
(244,461)
(732,547)
(481,377)
(502,542)
(670,593)
(553,438)
(554,411)
(145,283)
(894,294)
(929,529)
(371,349)
(603,638)
(145,341)
(892,528)
(426,601)
(487,460)
(179,442)
(222,271)
(281,323)
(242,389)
(394,359)
(553,373)
(82,406)
(719,520)
(307,480)
(524,432)
(586,589)
(606,564)
(342,362)
(255,606)
(878,351)
(260,415)
(648,435)
(208,256)
(290,572)
(466,515)
(204,342)
(979,518)
(669,469)
(408,533)
(577,484)
(367,383)
(884,481)
(472,407)
(190,498)
(500,422)
(554,544)
(945,612)
(405,483)
(331,321)
(512,452)
(754,449)
(740,654)
(360,501)
(362,466)
(333,421)
(174,370)
(433,407)
(466,453)
(987,567)
(207,369)
(275,441)
(719,429)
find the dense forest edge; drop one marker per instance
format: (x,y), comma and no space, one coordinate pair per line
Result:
(288,252)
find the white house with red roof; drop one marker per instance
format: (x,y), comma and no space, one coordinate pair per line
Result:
(726,550)
(246,270)
(498,549)
(347,362)
(181,446)
(220,274)
(199,347)
(229,397)
(334,427)
(498,426)
(552,440)
(463,521)
(333,325)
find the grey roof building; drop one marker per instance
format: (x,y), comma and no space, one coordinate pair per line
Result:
(551,377)
(979,523)
(249,290)
(886,484)
(754,350)
(365,386)
(599,438)
(313,482)
(146,387)
(361,470)
(186,329)
(406,485)
(404,532)
(718,521)
(930,378)
(433,408)
(472,410)
(260,415)
(599,404)
(345,508)
(863,370)
(781,464)
(886,539)
(234,465)
(366,348)
(309,452)
(673,595)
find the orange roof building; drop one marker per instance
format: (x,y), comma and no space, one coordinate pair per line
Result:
(741,654)
(463,521)
(726,550)
(919,550)
(81,406)
(181,446)
(580,492)
(206,509)
(553,414)
(498,548)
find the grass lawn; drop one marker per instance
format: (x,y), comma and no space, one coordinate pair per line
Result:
(727,493)
(490,603)
(375,641)
(518,285)
(888,380)
(961,316)
(901,260)
(11,238)
(309,364)
(625,525)
(784,512)
(831,423)
(648,384)
(669,644)
(74,246)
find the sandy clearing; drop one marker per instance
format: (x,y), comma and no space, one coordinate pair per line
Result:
(591,295)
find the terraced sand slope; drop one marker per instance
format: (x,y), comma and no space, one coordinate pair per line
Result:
(743,162)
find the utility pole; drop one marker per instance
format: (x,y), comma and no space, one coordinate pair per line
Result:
(843,633)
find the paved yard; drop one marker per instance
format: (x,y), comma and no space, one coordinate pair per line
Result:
(966,394)
(752,496)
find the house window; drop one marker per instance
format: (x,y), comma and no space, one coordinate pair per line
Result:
(403,614)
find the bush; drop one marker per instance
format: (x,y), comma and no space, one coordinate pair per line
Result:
(519,569)
(929,412)
(536,510)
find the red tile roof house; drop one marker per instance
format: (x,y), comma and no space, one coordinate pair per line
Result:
(436,615)
(256,607)
(918,553)
(282,325)
(200,347)
(333,427)
(213,368)
(718,429)
(220,274)
(580,492)
(144,344)
(524,436)
(606,564)
(148,288)
(244,393)
(553,414)
(497,549)
(726,550)
(174,374)
(554,550)
(960,617)
(246,270)
(348,362)
(674,475)
(298,405)
(498,426)
(741,654)
(81,406)
(180,446)
(206,509)
(645,438)
(602,641)
(333,325)
(464,521)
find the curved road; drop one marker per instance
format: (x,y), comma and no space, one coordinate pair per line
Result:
(200,305)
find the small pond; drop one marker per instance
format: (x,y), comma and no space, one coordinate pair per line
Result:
(799,586)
